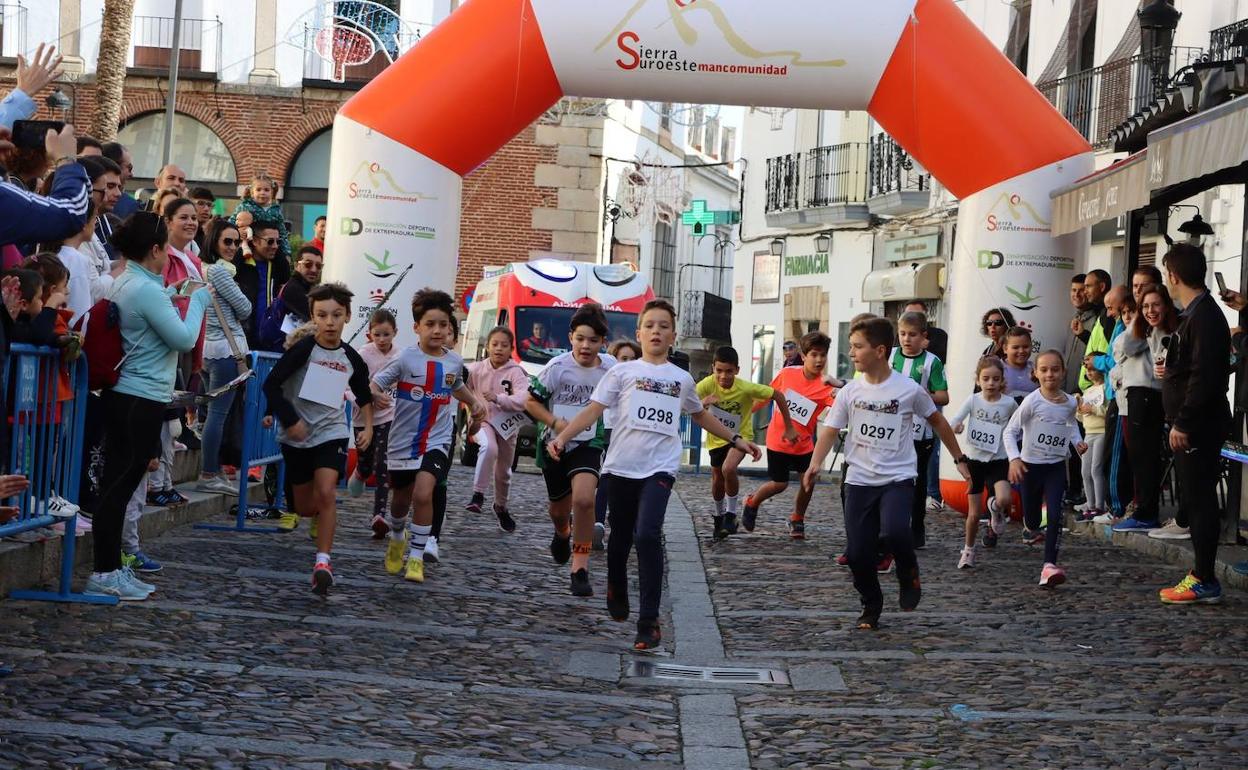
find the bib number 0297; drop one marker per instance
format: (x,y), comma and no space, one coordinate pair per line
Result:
(875,432)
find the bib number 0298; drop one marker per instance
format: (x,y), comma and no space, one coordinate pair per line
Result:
(651,414)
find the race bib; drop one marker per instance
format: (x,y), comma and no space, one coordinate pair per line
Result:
(801,409)
(919,428)
(569,412)
(508,424)
(729,420)
(655,412)
(324,384)
(985,437)
(1050,440)
(878,430)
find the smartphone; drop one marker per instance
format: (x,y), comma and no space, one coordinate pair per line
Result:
(189,286)
(1221,282)
(33,134)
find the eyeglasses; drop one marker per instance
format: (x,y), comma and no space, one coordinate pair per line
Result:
(271,241)
(310,264)
(997,322)
(231,241)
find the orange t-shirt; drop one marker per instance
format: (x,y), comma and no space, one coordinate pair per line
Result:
(807,400)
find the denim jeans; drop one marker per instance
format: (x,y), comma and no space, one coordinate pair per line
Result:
(220,371)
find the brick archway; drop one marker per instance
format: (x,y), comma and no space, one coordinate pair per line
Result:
(295,138)
(145,104)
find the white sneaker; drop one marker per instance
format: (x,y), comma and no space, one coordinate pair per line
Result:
(967,560)
(431,550)
(1081,507)
(128,575)
(1172,531)
(217,485)
(114,584)
(1105,518)
(61,508)
(934,505)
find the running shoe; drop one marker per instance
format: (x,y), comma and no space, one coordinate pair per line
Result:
(600,536)
(1172,531)
(1052,575)
(717,529)
(394,554)
(217,485)
(114,584)
(749,514)
(322,578)
(797,528)
(580,583)
(81,527)
(474,505)
(1032,536)
(415,570)
(256,474)
(560,548)
(1105,517)
(990,536)
(312,527)
(730,523)
(648,636)
(1240,568)
(158,498)
(431,550)
(842,560)
(934,505)
(288,522)
(617,602)
(128,575)
(967,559)
(355,485)
(176,498)
(909,590)
(381,527)
(505,522)
(141,562)
(1081,507)
(1088,515)
(869,620)
(1135,525)
(885,564)
(61,508)
(1191,590)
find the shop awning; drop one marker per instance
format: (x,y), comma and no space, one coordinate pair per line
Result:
(1205,143)
(919,281)
(1110,192)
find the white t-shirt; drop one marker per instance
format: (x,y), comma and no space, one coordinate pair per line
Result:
(876,420)
(648,400)
(79,267)
(1045,430)
(985,426)
(565,387)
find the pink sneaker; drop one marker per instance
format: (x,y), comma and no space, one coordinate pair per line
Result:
(81,528)
(1052,576)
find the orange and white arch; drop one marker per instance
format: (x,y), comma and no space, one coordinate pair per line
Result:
(920,67)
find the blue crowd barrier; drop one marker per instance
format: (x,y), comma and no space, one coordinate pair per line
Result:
(259,445)
(691,439)
(46,424)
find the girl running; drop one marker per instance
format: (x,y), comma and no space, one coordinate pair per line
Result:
(558,393)
(648,396)
(1038,439)
(988,413)
(425,378)
(377,354)
(622,351)
(500,383)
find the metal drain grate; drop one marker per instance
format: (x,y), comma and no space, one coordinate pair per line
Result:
(645,669)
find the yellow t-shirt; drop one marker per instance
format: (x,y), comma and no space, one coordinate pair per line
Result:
(735,405)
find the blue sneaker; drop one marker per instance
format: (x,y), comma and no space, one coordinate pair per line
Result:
(1133,524)
(141,562)
(1241,568)
(114,584)
(355,485)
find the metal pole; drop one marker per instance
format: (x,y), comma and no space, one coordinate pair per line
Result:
(172,101)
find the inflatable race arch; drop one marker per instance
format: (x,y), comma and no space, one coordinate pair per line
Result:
(921,68)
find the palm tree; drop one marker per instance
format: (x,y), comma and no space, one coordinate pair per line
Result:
(110,76)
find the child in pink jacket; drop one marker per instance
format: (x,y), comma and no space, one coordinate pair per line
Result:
(502,384)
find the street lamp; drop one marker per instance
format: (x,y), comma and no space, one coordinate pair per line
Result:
(1196,229)
(59,100)
(1158,21)
(777,247)
(823,243)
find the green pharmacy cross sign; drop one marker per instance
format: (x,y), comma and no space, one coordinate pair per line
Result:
(699,217)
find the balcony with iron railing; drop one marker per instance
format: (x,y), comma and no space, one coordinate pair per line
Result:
(12,31)
(344,57)
(1223,44)
(199,47)
(1098,100)
(897,185)
(823,186)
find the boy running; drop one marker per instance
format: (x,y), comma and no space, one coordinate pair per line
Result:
(305,390)
(878,411)
(556,395)
(426,377)
(732,401)
(807,394)
(648,396)
(912,360)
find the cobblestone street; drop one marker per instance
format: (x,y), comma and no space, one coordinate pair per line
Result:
(491,664)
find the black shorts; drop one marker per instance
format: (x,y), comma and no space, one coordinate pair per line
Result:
(987,474)
(718,455)
(434,462)
(558,475)
(303,462)
(780,464)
